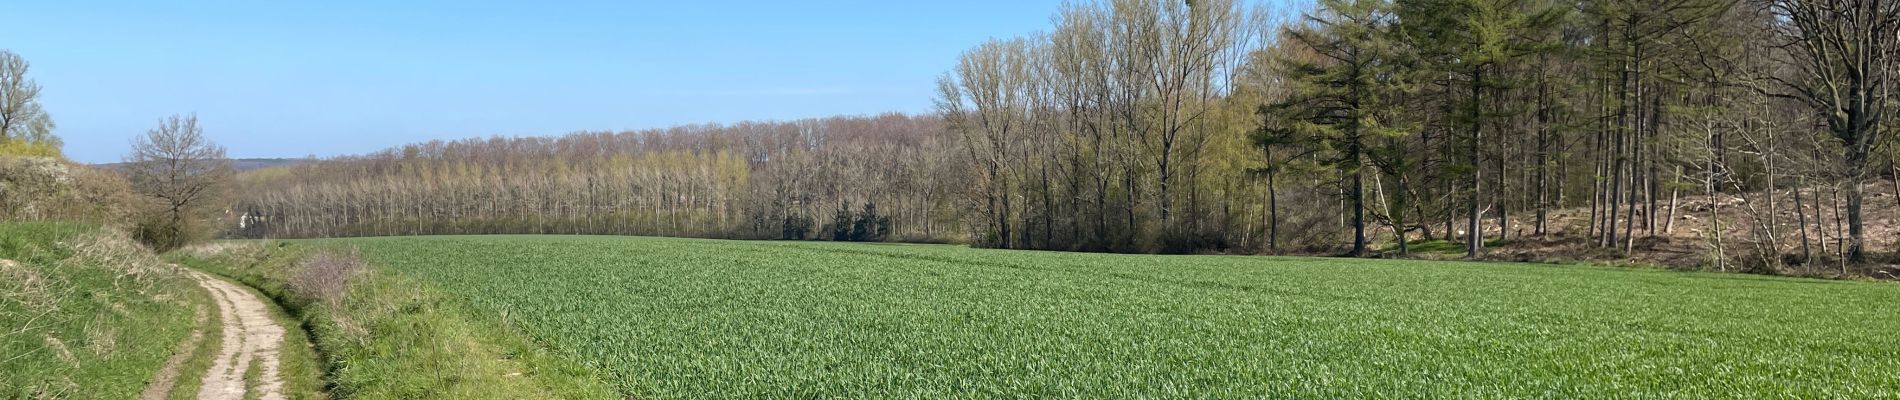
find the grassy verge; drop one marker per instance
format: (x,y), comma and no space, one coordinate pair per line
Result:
(85,313)
(385,336)
(191,373)
(302,368)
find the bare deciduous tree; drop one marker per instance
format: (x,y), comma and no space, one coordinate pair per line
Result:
(176,165)
(1843,55)
(985,101)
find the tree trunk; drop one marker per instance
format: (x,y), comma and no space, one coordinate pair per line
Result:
(1801,218)
(1856,182)
(1048,210)
(1475,238)
(1669,224)
(1500,196)
(1654,192)
(1598,169)
(1273,212)
(1543,162)
(1358,208)
(1614,199)
(1841,247)
(1715,223)
(1398,217)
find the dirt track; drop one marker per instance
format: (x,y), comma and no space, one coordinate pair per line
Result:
(251,341)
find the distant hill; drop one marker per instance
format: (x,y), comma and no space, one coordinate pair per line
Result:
(242,164)
(248,164)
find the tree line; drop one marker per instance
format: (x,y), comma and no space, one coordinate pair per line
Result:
(1467,121)
(1359,127)
(870,178)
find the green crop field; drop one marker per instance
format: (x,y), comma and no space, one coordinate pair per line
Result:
(683,318)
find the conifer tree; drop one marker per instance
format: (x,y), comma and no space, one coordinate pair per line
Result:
(1341,102)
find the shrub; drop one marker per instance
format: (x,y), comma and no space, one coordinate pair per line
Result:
(47,188)
(29,148)
(325,276)
(862,226)
(840,226)
(155,227)
(870,227)
(30,186)
(796,227)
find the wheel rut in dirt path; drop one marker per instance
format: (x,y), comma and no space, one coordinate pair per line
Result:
(251,341)
(161,385)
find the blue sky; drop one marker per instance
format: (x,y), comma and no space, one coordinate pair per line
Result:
(295,78)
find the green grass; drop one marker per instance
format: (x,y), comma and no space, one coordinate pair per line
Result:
(191,373)
(393,337)
(86,314)
(684,318)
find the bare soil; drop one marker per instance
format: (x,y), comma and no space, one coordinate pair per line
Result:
(1685,233)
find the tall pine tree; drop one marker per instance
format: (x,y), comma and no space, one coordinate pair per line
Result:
(1342,101)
